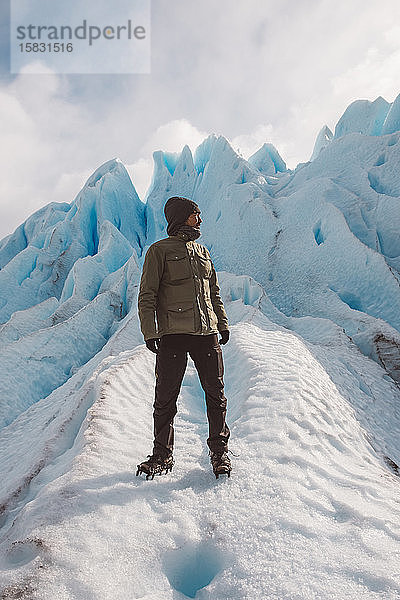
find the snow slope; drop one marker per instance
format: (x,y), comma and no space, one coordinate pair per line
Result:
(308,264)
(311,506)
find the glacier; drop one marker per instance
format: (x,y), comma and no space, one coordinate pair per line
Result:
(309,266)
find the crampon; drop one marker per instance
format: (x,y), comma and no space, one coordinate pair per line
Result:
(155,465)
(221,464)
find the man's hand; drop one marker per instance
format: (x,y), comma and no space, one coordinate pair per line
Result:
(224,336)
(153,344)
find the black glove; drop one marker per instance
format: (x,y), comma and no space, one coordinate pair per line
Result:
(153,344)
(224,336)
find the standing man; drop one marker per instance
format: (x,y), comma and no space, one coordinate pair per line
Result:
(179,290)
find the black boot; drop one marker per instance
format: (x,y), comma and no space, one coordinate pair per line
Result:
(155,465)
(221,463)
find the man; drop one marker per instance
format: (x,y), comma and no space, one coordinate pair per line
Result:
(179,290)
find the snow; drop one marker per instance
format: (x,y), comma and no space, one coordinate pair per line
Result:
(392,121)
(179,181)
(323,138)
(308,264)
(323,506)
(268,160)
(363,116)
(41,268)
(29,232)
(27,321)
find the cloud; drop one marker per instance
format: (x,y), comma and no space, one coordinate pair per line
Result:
(376,74)
(140,172)
(100,37)
(264,72)
(173,136)
(51,144)
(248,143)
(170,137)
(36,146)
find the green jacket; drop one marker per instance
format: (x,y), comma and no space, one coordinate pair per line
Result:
(179,287)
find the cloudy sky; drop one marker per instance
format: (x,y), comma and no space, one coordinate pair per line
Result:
(254,71)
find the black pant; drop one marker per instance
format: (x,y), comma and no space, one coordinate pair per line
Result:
(171,362)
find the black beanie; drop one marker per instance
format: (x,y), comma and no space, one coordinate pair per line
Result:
(177,210)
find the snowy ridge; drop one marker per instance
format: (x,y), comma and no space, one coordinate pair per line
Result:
(268,160)
(309,270)
(324,137)
(41,268)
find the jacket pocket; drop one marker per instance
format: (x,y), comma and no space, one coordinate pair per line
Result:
(177,266)
(215,363)
(220,361)
(181,318)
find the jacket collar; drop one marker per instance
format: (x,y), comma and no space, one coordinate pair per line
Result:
(181,235)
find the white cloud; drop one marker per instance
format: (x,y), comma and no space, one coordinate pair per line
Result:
(69,184)
(51,145)
(36,142)
(265,72)
(248,143)
(377,75)
(172,137)
(140,172)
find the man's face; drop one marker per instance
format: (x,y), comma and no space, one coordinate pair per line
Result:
(194,220)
